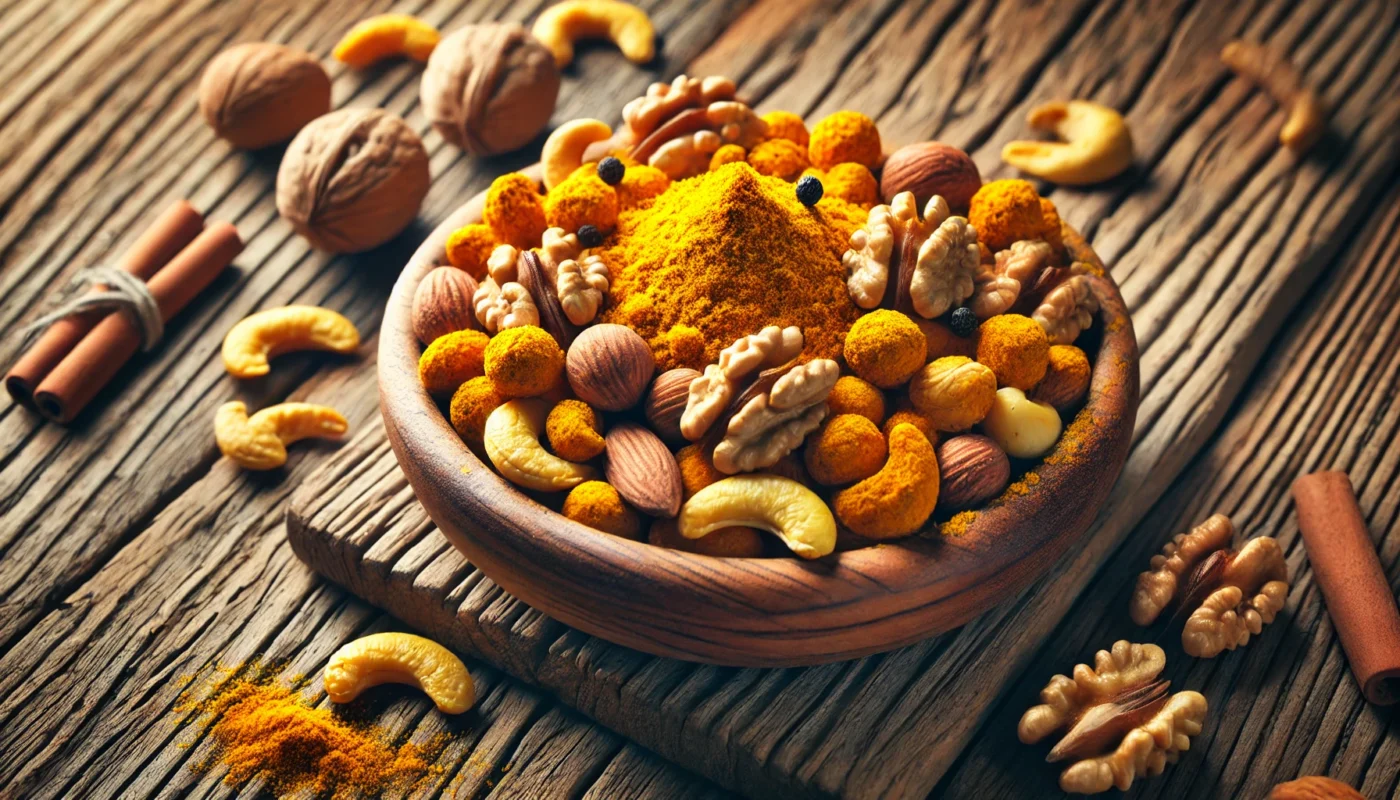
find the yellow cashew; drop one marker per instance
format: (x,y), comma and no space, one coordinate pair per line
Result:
(384,36)
(249,344)
(768,502)
(626,25)
(512,442)
(563,150)
(1097,144)
(260,441)
(400,658)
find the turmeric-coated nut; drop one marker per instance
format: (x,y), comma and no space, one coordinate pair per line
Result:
(599,506)
(1066,378)
(848,448)
(1008,211)
(260,442)
(574,431)
(733,542)
(1016,348)
(641,184)
(943,342)
(697,469)
(787,125)
(886,348)
(845,136)
(953,393)
(400,658)
(512,442)
(471,404)
(727,154)
(906,415)
(626,25)
(515,210)
(267,334)
(524,362)
(582,200)
(897,500)
(1053,231)
(469,248)
(778,158)
(768,502)
(452,360)
(851,182)
(384,36)
(851,395)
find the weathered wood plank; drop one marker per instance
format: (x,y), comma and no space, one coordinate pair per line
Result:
(1194,250)
(1324,400)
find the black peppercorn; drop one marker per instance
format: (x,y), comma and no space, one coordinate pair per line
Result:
(809,190)
(610,170)
(590,236)
(963,322)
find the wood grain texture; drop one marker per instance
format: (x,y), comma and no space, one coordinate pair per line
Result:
(130,554)
(1220,236)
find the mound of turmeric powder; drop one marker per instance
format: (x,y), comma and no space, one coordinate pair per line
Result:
(729,252)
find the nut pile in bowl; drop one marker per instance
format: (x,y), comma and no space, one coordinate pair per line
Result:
(723,333)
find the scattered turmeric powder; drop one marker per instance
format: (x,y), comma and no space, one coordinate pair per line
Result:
(684,346)
(471,404)
(574,431)
(845,136)
(846,449)
(515,210)
(263,729)
(523,362)
(1016,349)
(778,158)
(598,505)
(451,360)
(851,395)
(787,125)
(468,248)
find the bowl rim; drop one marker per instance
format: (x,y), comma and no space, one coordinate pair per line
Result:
(743,611)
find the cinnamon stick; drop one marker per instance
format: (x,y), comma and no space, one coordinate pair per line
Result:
(171,231)
(92,363)
(1353,582)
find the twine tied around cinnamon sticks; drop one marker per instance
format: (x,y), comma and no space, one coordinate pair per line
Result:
(111,290)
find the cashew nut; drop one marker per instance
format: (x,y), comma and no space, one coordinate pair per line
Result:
(400,658)
(1266,67)
(897,500)
(249,344)
(1096,146)
(767,502)
(260,441)
(563,150)
(386,35)
(512,442)
(625,24)
(1023,427)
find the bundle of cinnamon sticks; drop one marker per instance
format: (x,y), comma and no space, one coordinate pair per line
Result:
(177,257)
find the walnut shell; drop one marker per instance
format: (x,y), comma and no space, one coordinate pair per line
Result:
(442,304)
(259,94)
(489,88)
(353,179)
(928,169)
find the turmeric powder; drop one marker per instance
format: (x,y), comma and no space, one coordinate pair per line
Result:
(727,253)
(263,729)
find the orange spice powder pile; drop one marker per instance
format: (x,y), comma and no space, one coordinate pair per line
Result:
(263,729)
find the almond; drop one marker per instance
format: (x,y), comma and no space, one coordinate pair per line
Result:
(442,304)
(642,469)
(666,402)
(609,367)
(1314,787)
(930,168)
(974,470)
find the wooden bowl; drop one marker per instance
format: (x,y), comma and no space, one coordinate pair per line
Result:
(754,612)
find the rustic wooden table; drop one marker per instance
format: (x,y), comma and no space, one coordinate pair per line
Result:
(132,555)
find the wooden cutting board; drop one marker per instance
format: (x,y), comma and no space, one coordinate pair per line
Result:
(1216,239)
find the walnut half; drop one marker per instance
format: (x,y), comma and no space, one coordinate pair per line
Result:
(932,260)
(1229,595)
(711,393)
(1117,719)
(772,424)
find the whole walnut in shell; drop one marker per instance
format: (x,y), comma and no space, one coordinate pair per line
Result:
(259,94)
(489,88)
(353,179)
